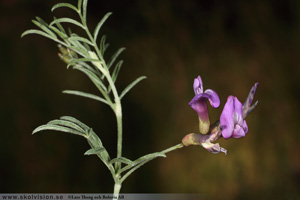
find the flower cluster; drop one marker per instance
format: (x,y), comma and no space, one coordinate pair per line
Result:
(232,123)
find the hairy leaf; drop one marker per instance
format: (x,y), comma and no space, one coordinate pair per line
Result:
(94,151)
(66,124)
(75,121)
(99,25)
(80,39)
(38,32)
(59,5)
(103,45)
(67,20)
(114,57)
(87,95)
(117,70)
(58,32)
(148,157)
(58,128)
(131,85)
(44,28)
(60,27)
(71,125)
(79,5)
(84,11)
(122,160)
(98,83)
(139,162)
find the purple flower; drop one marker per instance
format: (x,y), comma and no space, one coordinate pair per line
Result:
(231,120)
(198,103)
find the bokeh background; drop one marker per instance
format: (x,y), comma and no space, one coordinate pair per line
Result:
(231,44)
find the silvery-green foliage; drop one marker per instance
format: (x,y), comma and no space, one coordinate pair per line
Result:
(86,54)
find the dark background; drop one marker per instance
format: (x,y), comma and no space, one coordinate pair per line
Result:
(231,44)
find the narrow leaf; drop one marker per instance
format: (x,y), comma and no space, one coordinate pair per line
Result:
(95,142)
(80,61)
(78,48)
(67,20)
(59,5)
(99,25)
(122,160)
(59,26)
(81,39)
(69,30)
(102,44)
(57,128)
(87,47)
(42,21)
(142,160)
(66,124)
(115,73)
(79,5)
(87,95)
(75,121)
(149,157)
(83,64)
(117,70)
(97,82)
(38,32)
(138,163)
(84,10)
(115,56)
(44,28)
(59,32)
(94,151)
(131,85)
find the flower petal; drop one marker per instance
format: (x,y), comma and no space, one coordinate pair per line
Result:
(213,148)
(198,103)
(238,132)
(213,98)
(199,97)
(238,112)
(226,119)
(198,86)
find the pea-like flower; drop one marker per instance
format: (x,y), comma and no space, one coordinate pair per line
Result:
(198,103)
(232,121)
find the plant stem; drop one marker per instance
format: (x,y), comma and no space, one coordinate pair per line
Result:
(117,189)
(118,112)
(178,146)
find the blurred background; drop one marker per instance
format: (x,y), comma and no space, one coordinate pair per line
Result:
(231,44)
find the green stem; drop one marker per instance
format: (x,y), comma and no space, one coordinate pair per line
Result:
(117,189)
(118,107)
(178,146)
(118,112)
